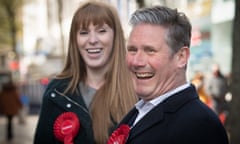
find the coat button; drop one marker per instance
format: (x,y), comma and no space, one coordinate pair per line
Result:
(69,105)
(53,95)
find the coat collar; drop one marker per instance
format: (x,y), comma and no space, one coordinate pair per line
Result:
(156,115)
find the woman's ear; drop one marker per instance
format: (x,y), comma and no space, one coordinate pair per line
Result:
(183,56)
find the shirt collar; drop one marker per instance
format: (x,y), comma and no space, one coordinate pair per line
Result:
(161,98)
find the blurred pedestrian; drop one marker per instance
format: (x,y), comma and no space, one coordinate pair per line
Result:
(10,105)
(198,81)
(94,90)
(217,88)
(170,111)
(24,110)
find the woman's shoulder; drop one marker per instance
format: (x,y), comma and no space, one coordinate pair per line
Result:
(59,80)
(57,84)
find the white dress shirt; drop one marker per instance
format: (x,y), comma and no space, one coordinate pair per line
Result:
(144,107)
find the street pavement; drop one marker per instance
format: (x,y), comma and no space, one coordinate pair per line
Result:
(23,133)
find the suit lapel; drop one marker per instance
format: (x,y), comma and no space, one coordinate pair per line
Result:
(130,117)
(156,115)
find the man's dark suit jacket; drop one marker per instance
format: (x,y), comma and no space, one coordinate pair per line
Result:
(180,119)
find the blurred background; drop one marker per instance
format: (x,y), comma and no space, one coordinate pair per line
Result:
(34,40)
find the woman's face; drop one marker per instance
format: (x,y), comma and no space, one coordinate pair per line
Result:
(95,44)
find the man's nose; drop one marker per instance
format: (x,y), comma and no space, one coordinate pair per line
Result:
(139,59)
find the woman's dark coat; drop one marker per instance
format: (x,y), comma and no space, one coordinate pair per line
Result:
(54,103)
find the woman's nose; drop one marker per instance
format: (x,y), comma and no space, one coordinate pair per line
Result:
(93,39)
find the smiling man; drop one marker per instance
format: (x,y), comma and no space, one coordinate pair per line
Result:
(169,110)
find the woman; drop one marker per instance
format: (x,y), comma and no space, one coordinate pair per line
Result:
(94,85)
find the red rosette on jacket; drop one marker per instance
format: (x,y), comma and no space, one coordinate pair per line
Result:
(120,135)
(66,127)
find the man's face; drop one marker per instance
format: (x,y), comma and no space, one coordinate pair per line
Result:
(153,66)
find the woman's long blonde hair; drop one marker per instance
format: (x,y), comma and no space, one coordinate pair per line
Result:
(116,97)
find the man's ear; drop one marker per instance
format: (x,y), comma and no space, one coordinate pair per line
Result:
(183,56)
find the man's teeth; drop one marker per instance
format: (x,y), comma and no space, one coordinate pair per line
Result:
(144,75)
(94,50)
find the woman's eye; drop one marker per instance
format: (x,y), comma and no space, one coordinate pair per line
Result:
(83,32)
(101,30)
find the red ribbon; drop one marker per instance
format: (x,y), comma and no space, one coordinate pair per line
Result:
(120,135)
(66,127)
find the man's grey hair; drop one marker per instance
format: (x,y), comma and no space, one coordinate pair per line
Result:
(178,25)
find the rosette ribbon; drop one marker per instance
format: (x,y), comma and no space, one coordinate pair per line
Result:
(66,127)
(120,135)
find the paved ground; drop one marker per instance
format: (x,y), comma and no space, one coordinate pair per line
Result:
(23,134)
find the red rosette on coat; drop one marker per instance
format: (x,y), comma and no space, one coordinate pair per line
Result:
(66,127)
(120,135)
